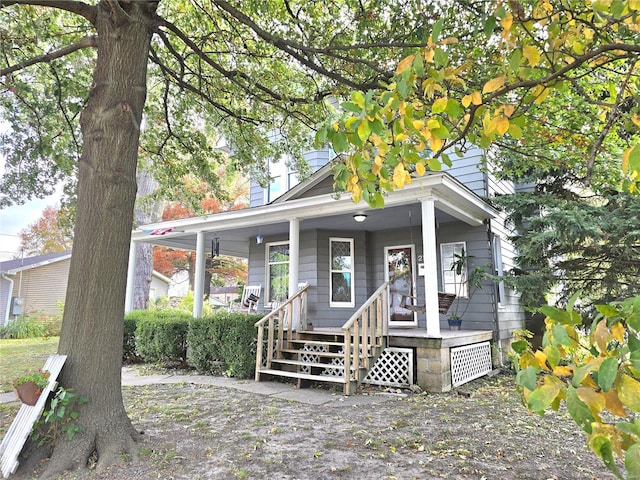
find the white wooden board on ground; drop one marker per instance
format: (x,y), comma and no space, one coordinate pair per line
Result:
(22,425)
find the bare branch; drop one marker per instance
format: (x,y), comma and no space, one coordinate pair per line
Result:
(86,42)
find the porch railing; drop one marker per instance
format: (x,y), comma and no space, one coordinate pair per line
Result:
(280,319)
(364,334)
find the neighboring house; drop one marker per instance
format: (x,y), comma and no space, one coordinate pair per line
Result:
(225,295)
(159,286)
(39,285)
(33,284)
(345,252)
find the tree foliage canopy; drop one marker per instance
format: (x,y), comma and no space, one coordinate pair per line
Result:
(547,83)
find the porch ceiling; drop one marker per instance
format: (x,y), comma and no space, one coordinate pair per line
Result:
(236,229)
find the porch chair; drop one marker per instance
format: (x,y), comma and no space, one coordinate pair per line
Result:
(250,298)
(444,303)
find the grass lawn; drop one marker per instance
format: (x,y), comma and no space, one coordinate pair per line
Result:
(17,356)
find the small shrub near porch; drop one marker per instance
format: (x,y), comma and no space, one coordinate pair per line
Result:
(222,343)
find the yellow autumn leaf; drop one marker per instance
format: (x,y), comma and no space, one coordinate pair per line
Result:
(407,177)
(419,146)
(426,133)
(439,105)
(404,64)
(418,124)
(476,98)
(635,118)
(508,110)
(628,392)
(399,175)
(542,360)
(502,126)
(466,101)
(378,160)
(428,55)
(401,136)
(420,170)
(494,84)
(532,54)
(435,143)
(600,335)
(562,371)
(594,400)
(356,193)
(507,21)
(634,4)
(542,97)
(617,331)
(614,405)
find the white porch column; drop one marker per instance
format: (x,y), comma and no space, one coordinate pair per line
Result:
(131,278)
(294,260)
(430,255)
(198,281)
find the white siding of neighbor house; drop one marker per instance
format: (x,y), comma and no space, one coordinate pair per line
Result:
(42,287)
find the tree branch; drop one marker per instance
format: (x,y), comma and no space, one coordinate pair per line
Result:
(89,12)
(85,42)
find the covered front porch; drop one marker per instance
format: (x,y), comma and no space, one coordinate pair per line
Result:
(302,231)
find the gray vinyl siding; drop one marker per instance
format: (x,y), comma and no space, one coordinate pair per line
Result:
(467,170)
(481,312)
(315,158)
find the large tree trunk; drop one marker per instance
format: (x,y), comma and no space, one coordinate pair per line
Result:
(92,328)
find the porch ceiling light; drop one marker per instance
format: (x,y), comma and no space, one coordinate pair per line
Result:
(359,217)
(259,239)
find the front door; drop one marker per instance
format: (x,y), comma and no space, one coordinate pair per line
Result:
(400,273)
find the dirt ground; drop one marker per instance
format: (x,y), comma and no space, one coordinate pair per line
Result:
(479,431)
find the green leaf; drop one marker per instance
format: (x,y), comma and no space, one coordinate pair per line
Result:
(542,397)
(608,310)
(321,137)
(490,25)
(560,335)
(358,98)
(632,461)
(579,410)
(351,107)
(454,109)
(437,29)
(340,142)
(441,57)
(562,316)
(632,428)
(607,373)
(602,447)
(520,346)
(527,378)
(514,60)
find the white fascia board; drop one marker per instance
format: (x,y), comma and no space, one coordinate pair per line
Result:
(37,265)
(452,197)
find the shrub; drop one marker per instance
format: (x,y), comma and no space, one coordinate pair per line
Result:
(129,351)
(23,327)
(162,336)
(224,342)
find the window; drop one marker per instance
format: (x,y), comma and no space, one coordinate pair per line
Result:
(452,283)
(277,271)
(341,272)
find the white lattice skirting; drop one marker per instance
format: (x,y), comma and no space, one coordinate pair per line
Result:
(394,368)
(470,362)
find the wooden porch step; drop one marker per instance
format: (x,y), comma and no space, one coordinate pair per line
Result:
(315,342)
(301,363)
(303,376)
(320,353)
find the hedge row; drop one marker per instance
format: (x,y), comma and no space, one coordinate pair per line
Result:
(220,343)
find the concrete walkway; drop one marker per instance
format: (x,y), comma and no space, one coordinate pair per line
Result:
(284,391)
